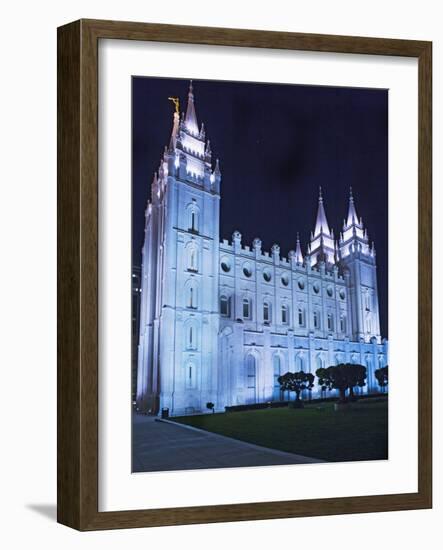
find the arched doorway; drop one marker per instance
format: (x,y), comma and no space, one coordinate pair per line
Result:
(251,379)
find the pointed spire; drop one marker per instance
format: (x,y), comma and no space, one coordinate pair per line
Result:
(321,225)
(217,167)
(298,252)
(352,213)
(191,117)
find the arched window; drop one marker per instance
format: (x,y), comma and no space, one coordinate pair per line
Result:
(277,374)
(284,314)
(190,378)
(266,312)
(193,217)
(301,317)
(192,259)
(342,323)
(191,296)
(330,322)
(246,308)
(224,306)
(318,362)
(191,336)
(316,319)
(368,324)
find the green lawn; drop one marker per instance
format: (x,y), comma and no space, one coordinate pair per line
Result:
(317,431)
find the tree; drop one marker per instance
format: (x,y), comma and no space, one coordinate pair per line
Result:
(296,382)
(382,376)
(342,377)
(210,406)
(357,377)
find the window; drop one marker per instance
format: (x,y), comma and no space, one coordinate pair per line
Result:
(190,376)
(330,291)
(247,271)
(226,266)
(316,288)
(193,220)
(284,314)
(316,319)
(191,298)
(342,323)
(368,302)
(301,317)
(266,312)
(192,259)
(285,280)
(368,325)
(246,309)
(301,284)
(330,321)
(191,339)
(267,276)
(224,306)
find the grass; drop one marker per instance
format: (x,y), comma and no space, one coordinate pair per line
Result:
(317,431)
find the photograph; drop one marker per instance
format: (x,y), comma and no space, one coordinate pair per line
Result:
(259,274)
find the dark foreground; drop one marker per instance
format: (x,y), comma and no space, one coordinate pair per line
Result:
(317,431)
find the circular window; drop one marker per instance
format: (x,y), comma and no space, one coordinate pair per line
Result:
(226,266)
(330,291)
(301,284)
(285,280)
(267,276)
(342,294)
(247,271)
(316,288)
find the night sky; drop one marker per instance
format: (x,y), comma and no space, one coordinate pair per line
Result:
(277,143)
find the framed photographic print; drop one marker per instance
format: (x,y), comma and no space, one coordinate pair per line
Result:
(244,280)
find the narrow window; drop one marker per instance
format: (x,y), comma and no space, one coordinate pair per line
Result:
(190,376)
(194,222)
(316,319)
(342,323)
(330,322)
(193,260)
(246,309)
(301,317)
(224,306)
(192,338)
(266,312)
(284,314)
(192,298)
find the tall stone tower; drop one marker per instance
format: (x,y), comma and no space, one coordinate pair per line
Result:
(322,245)
(358,260)
(179,319)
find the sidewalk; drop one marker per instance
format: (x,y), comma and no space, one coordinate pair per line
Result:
(166,446)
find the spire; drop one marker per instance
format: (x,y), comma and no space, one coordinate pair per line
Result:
(352,213)
(321,225)
(298,253)
(217,168)
(191,117)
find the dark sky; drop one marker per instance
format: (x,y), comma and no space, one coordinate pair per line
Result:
(277,143)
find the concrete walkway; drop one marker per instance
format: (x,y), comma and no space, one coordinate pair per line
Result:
(161,446)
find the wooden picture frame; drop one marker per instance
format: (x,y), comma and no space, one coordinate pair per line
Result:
(78,274)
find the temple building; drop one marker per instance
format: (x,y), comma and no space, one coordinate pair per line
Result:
(220,321)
